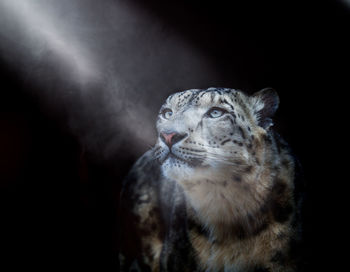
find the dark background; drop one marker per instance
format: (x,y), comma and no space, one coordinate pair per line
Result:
(66,142)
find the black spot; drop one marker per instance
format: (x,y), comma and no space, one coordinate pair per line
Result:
(265,208)
(224,142)
(261,269)
(268,139)
(238,162)
(240,232)
(145,230)
(153,226)
(279,258)
(282,212)
(259,228)
(154,212)
(228,117)
(248,169)
(237,178)
(242,132)
(228,104)
(281,207)
(279,187)
(285,163)
(196,227)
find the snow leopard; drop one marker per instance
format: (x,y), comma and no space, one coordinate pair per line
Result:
(217,192)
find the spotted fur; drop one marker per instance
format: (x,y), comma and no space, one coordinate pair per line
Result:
(221,198)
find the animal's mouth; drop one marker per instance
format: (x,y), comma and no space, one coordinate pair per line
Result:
(172,155)
(192,162)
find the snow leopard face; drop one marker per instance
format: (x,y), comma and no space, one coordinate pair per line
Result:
(212,130)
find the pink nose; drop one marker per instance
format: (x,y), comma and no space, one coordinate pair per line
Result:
(167,137)
(171,138)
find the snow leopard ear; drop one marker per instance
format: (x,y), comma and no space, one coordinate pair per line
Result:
(265,104)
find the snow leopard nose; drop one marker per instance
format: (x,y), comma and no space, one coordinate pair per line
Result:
(171,138)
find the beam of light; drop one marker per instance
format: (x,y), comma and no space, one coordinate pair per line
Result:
(38,24)
(109,65)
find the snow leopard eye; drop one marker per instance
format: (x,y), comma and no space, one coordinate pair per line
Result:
(167,113)
(215,112)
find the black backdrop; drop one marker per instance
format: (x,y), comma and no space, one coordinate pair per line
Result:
(61,162)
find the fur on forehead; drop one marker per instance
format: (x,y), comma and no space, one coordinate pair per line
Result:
(204,97)
(261,106)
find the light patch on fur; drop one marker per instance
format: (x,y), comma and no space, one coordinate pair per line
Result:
(154,245)
(222,202)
